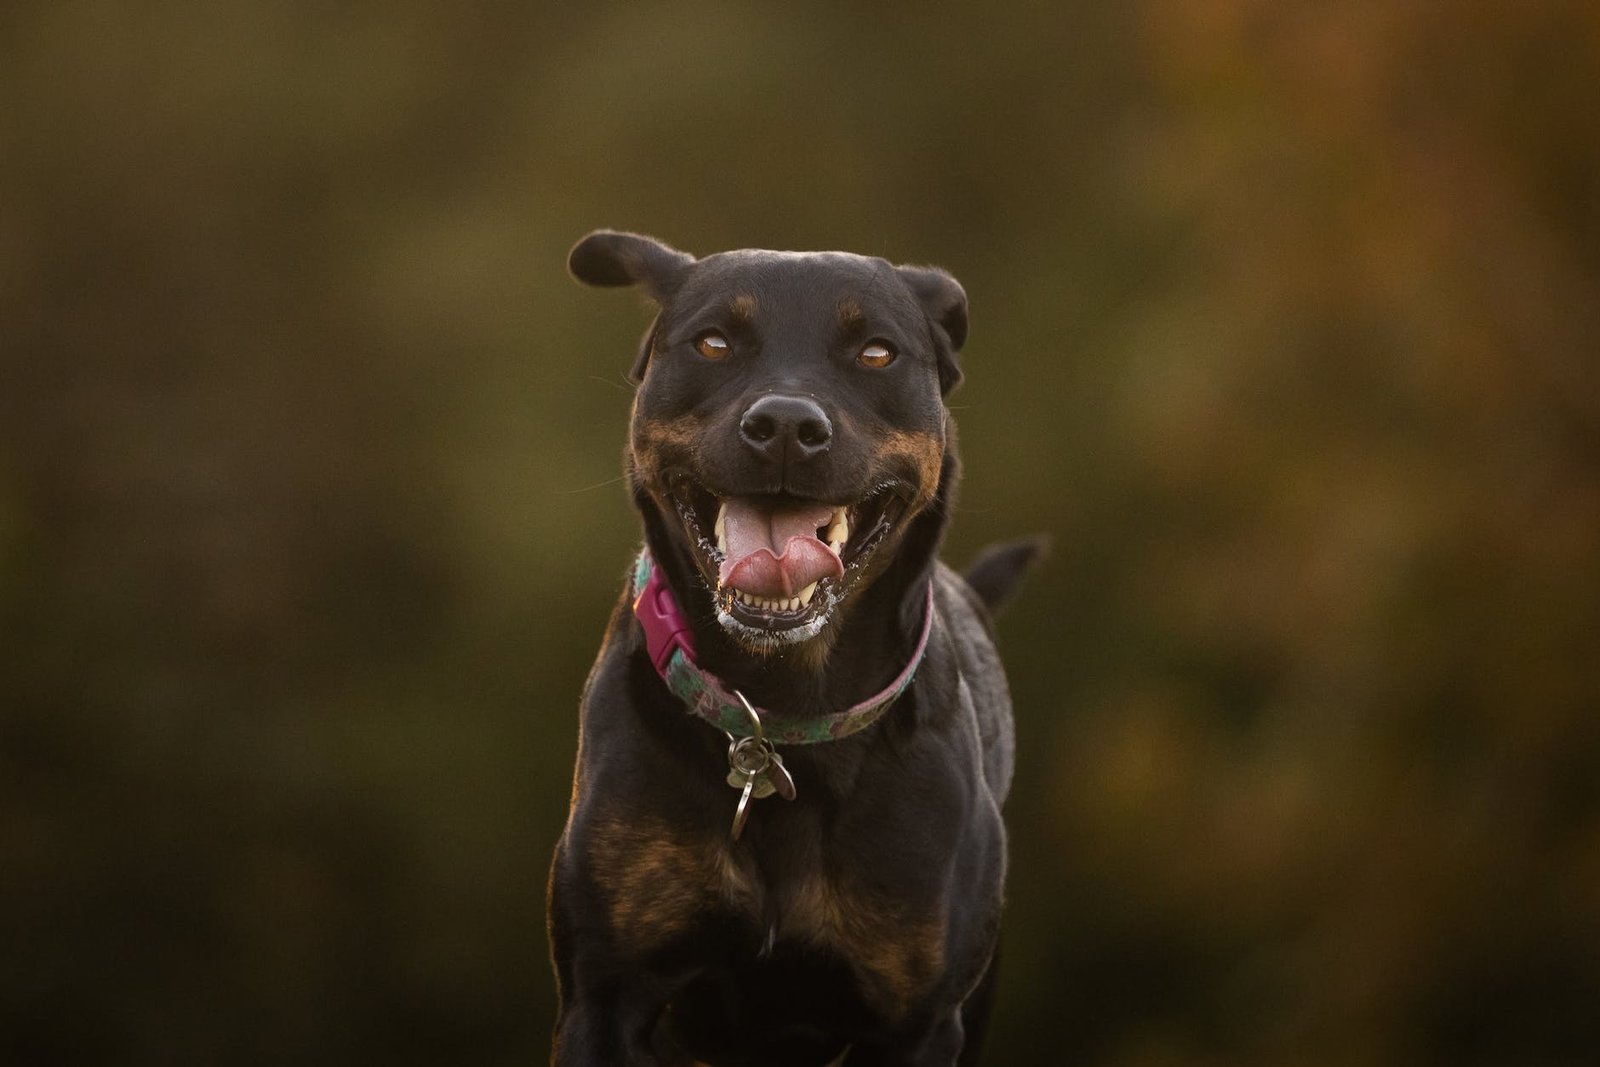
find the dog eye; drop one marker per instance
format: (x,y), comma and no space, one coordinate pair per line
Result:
(875,355)
(712,345)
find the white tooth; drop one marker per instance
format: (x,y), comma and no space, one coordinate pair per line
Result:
(806,594)
(721,527)
(838,529)
(792,604)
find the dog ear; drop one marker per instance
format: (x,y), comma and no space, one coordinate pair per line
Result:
(610,257)
(647,349)
(945,303)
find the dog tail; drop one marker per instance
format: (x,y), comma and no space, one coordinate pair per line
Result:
(994,574)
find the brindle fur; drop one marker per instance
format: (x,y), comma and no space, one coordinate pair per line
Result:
(859,920)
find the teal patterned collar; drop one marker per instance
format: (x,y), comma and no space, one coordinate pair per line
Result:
(671,644)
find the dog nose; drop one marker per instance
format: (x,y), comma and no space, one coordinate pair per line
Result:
(792,428)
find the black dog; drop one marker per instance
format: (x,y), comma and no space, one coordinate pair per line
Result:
(785,844)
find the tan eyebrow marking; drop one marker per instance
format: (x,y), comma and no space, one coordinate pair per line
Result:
(743,307)
(850,313)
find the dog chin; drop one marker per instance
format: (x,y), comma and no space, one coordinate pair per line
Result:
(765,636)
(761,640)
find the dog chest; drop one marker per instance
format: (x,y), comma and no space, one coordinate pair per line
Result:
(663,886)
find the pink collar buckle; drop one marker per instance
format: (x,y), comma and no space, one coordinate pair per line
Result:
(665,628)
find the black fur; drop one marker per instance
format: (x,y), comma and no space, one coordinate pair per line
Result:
(861,918)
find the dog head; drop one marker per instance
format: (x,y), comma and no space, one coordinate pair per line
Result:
(789,425)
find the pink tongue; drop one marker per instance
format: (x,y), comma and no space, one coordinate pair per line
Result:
(775,553)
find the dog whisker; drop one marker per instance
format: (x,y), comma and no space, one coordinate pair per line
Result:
(596,485)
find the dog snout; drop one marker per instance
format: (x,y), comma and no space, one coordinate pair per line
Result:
(789,429)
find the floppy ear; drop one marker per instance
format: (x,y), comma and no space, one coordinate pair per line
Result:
(945,303)
(610,257)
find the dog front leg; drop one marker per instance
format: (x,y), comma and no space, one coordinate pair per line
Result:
(935,1043)
(599,1028)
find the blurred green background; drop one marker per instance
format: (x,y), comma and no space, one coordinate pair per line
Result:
(1285,326)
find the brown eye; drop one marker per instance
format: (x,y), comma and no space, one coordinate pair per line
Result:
(875,355)
(713,345)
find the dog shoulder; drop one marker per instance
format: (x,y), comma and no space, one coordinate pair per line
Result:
(983,677)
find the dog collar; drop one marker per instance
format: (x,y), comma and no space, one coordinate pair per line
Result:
(670,642)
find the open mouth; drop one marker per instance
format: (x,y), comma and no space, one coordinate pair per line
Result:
(777,566)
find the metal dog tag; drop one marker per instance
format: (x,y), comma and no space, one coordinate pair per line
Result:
(754,759)
(750,760)
(755,769)
(757,773)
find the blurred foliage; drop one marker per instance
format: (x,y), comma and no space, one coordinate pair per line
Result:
(1285,324)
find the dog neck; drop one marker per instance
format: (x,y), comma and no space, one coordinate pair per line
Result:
(669,641)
